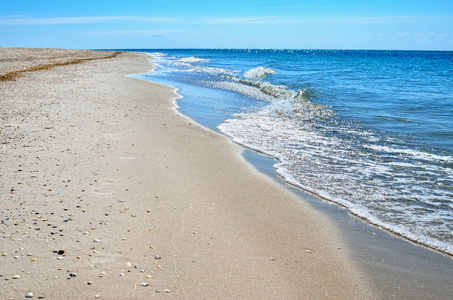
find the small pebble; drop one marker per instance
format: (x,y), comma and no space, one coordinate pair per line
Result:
(89,282)
(167,291)
(60,252)
(29,254)
(144,284)
(96,240)
(15,277)
(157,257)
(121,274)
(29,295)
(41,297)
(97,296)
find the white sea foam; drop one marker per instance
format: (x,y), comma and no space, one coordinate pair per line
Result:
(259,72)
(414,153)
(193,59)
(332,168)
(157,54)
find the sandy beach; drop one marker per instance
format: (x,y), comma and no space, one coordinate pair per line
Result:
(107,191)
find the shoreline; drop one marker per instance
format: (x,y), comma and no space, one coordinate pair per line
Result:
(396,266)
(430,269)
(203,116)
(303,191)
(105,183)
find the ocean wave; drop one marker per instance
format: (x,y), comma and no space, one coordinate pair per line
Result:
(158,54)
(301,104)
(416,154)
(192,59)
(259,72)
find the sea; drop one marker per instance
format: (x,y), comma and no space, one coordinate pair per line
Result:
(369,130)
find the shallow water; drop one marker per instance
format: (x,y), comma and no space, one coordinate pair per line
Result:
(370,130)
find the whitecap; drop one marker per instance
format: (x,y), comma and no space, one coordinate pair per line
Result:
(193,59)
(259,72)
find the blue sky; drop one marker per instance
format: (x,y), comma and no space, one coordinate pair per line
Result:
(295,24)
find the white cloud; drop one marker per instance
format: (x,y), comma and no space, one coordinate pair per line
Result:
(75,20)
(274,19)
(160,32)
(245,20)
(417,37)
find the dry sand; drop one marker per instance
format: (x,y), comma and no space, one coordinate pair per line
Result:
(144,202)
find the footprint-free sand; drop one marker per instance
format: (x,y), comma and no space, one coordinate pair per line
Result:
(107,191)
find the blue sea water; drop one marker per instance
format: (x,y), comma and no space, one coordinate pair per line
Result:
(369,130)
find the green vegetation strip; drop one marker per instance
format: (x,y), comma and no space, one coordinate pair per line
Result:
(12,76)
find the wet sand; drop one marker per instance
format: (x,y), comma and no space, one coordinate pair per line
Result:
(396,267)
(107,191)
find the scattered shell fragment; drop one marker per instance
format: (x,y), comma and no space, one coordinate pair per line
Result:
(29,295)
(167,291)
(41,297)
(15,277)
(308,251)
(144,284)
